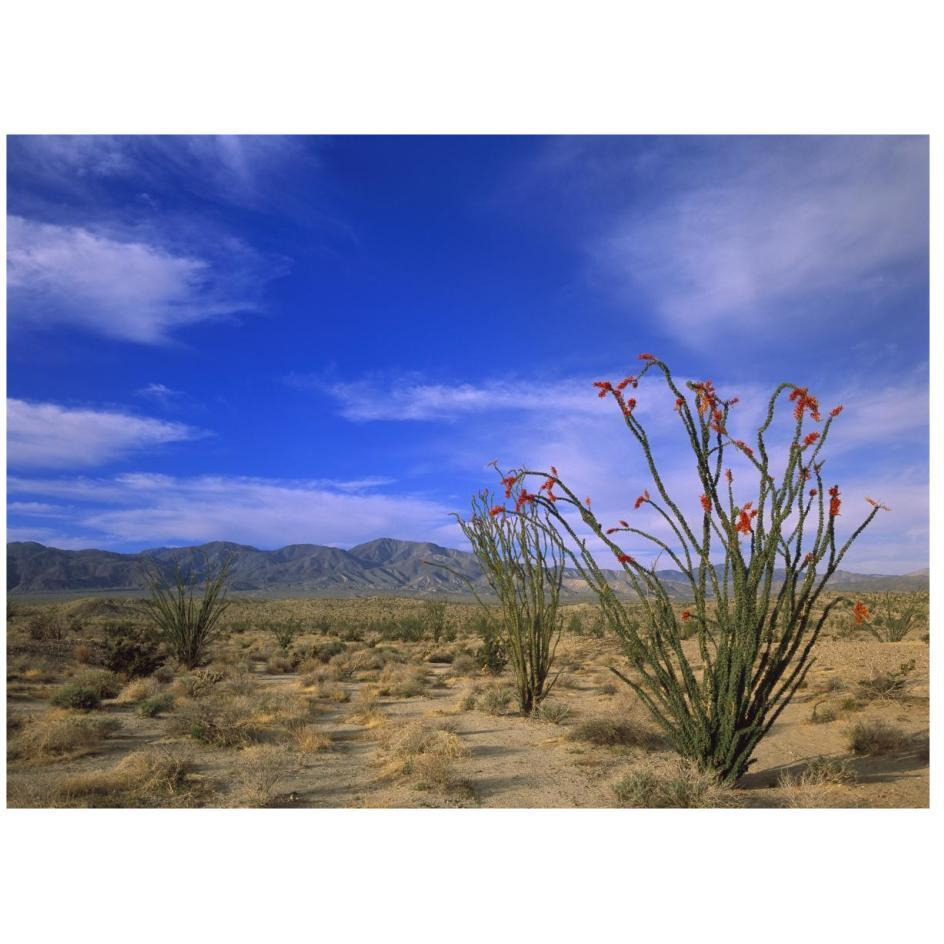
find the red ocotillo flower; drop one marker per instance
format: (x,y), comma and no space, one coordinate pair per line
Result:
(743,446)
(612,530)
(628,406)
(705,503)
(808,558)
(646,357)
(861,613)
(626,381)
(496,510)
(678,404)
(586,501)
(809,439)
(728,475)
(604,387)
(624,558)
(803,400)
(836,410)
(876,504)
(813,493)
(523,499)
(835,502)
(554,471)
(686,615)
(642,498)
(509,484)
(745,515)
(624,524)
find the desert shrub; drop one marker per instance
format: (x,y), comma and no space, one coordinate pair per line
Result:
(279,665)
(79,697)
(554,711)
(755,570)
(434,619)
(491,656)
(887,684)
(261,769)
(155,705)
(365,710)
(425,752)
(814,785)
(164,674)
(896,617)
(199,684)
(59,734)
(139,689)
(876,737)
(222,722)
(608,688)
(402,681)
(152,777)
(495,699)
(106,684)
(575,625)
(308,739)
(523,561)
(185,623)
(132,650)
(46,626)
(678,784)
(463,664)
(824,712)
(84,654)
(612,732)
(440,657)
(285,633)
(326,651)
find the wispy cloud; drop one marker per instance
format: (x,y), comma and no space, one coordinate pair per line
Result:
(146,509)
(725,243)
(127,289)
(410,397)
(47,435)
(247,170)
(159,392)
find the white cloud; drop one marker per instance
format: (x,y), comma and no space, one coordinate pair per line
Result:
(409,397)
(46,435)
(718,247)
(126,289)
(153,509)
(159,392)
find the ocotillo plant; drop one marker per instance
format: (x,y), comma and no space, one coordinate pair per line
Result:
(523,560)
(185,622)
(753,637)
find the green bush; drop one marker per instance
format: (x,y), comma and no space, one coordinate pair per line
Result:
(132,650)
(79,697)
(155,705)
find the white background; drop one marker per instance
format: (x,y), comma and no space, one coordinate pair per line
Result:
(797,876)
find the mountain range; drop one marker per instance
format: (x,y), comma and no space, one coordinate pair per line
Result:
(383,566)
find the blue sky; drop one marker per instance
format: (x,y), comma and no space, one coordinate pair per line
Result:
(325,340)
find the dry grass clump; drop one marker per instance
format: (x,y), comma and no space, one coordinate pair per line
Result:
(147,778)
(365,710)
(872,736)
(674,783)
(553,711)
(424,751)
(261,769)
(815,785)
(222,722)
(329,691)
(138,690)
(309,739)
(59,735)
(887,684)
(494,699)
(402,681)
(613,732)
(464,664)
(198,684)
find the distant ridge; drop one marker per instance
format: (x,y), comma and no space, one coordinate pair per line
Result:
(382,566)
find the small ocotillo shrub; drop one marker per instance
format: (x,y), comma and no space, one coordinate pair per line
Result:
(185,622)
(896,617)
(756,554)
(523,560)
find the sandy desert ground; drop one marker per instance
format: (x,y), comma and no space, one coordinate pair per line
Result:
(349,715)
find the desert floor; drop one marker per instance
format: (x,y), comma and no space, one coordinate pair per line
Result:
(353,719)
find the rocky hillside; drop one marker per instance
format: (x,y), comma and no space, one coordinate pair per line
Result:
(384,566)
